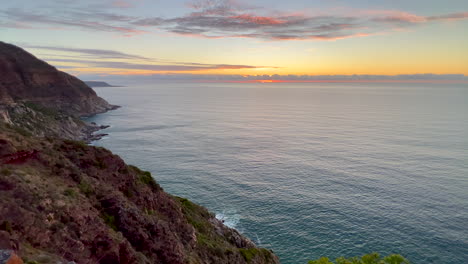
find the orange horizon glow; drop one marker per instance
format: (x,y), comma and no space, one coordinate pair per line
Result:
(339,81)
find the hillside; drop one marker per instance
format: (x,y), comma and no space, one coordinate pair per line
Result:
(44,101)
(28,79)
(62,200)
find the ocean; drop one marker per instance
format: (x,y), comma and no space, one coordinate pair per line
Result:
(309,169)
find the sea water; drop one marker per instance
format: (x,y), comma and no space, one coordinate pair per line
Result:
(309,170)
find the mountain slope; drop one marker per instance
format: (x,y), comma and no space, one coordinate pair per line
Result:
(44,101)
(26,78)
(66,200)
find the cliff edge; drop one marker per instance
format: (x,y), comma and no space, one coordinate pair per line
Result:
(37,97)
(25,78)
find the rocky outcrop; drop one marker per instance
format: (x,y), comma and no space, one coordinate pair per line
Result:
(9,257)
(62,200)
(34,119)
(36,97)
(24,78)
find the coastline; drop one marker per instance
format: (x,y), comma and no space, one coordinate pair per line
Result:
(91,127)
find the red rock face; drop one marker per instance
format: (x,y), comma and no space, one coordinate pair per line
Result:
(23,77)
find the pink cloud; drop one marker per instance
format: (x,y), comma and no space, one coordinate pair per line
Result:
(259,20)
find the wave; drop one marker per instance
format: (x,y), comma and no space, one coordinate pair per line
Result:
(230,218)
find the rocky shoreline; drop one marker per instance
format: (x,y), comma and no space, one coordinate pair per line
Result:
(91,128)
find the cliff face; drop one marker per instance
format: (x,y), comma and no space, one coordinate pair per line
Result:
(24,78)
(63,200)
(44,101)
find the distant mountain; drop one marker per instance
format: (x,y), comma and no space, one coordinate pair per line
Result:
(37,97)
(98,84)
(26,78)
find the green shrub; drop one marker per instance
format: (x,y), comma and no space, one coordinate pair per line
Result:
(110,221)
(76,143)
(146,178)
(149,211)
(69,192)
(249,253)
(85,188)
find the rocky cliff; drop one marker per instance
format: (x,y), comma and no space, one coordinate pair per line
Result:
(37,97)
(24,78)
(61,200)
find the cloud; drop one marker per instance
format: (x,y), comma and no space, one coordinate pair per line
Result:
(73,20)
(152,67)
(449,17)
(103,60)
(90,53)
(224,19)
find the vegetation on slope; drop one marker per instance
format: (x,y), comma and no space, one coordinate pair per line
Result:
(66,200)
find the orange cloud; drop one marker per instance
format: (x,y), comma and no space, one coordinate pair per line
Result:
(259,20)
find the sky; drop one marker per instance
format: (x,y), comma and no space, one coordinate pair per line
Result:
(290,40)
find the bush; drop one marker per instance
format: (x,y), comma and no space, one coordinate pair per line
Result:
(248,253)
(85,188)
(69,192)
(110,221)
(146,178)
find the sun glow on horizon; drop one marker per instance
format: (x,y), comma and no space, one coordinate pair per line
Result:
(138,38)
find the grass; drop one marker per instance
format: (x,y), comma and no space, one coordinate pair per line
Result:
(249,253)
(145,177)
(76,143)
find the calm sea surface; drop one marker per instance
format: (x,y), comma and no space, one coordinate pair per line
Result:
(309,169)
